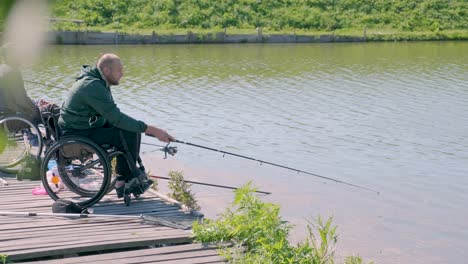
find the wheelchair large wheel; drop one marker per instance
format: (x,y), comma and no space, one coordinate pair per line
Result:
(76,169)
(18,137)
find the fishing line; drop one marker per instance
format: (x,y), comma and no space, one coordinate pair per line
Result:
(277,165)
(206,184)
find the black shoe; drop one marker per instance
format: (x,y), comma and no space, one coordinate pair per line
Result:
(119,190)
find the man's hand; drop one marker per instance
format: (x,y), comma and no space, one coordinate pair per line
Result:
(158,133)
(42,102)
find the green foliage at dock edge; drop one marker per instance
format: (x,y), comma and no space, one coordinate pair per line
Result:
(261,236)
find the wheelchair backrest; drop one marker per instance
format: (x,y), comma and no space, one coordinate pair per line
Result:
(50,121)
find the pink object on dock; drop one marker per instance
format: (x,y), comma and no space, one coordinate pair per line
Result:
(39,191)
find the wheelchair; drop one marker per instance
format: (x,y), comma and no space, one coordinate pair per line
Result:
(19,137)
(77,169)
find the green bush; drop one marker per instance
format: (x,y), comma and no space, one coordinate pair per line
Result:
(181,190)
(3,258)
(261,236)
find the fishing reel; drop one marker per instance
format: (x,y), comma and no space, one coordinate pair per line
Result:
(169,150)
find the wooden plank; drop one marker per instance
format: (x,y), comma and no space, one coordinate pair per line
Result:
(63,231)
(90,246)
(58,226)
(210,260)
(195,260)
(111,257)
(137,211)
(25,222)
(40,221)
(138,202)
(52,240)
(111,236)
(59,230)
(88,240)
(22,200)
(31,204)
(113,211)
(12,194)
(33,237)
(17,187)
(37,219)
(198,257)
(135,203)
(134,209)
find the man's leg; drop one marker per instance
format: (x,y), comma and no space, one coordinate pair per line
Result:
(111,136)
(132,141)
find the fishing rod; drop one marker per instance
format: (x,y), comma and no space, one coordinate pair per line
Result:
(277,165)
(47,85)
(173,150)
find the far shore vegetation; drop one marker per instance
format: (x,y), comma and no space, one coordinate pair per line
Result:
(374,19)
(377,19)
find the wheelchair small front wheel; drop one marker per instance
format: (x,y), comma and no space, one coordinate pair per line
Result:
(76,169)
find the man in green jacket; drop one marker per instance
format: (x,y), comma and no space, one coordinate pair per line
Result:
(89,110)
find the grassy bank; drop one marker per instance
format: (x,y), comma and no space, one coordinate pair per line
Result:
(381,19)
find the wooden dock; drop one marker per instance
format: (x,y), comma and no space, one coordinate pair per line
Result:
(96,240)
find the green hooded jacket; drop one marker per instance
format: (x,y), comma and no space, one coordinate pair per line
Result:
(89,104)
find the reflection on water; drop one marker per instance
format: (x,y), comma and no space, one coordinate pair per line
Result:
(389,116)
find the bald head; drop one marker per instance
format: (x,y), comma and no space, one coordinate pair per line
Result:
(111,67)
(107,60)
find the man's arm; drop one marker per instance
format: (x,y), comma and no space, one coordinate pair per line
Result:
(105,106)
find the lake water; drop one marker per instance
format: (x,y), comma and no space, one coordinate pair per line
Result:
(387,116)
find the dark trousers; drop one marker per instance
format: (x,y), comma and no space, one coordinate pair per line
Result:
(111,135)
